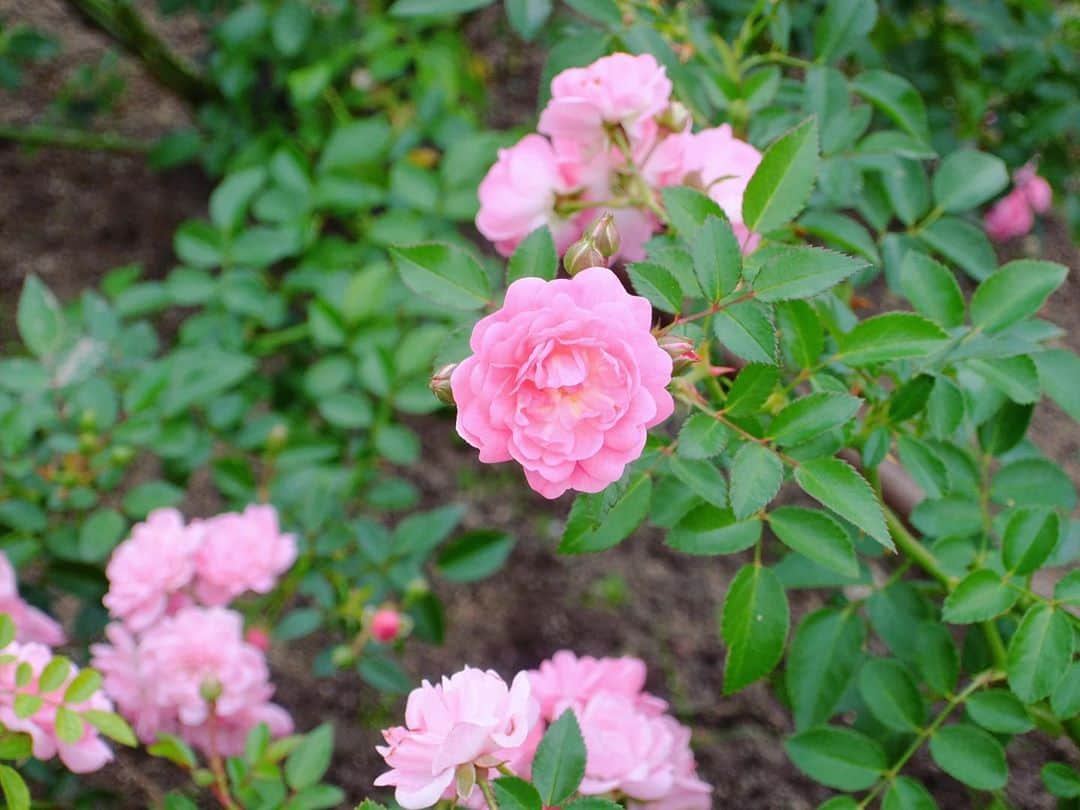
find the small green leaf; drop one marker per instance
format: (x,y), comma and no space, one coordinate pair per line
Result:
(1016,291)
(445,273)
(891,694)
(655,283)
(966,179)
(69,726)
(809,416)
(1061,780)
(39,318)
(83,686)
(475,555)
(559,765)
(309,761)
(932,289)
(840,758)
(980,596)
(416,8)
(780,186)
(716,258)
(702,436)
(16,793)
(751,388)
(907,794)
(802,272)
(54,674)
(896,98)
(534,257)
(754,625)
(1039,653)
(816,535)
(1000,711)
(971,755)
(708,530)
(889,337)
(600,521)
(821,663)
(842,27)
(513,793)
(527,17)
(836,485)
(747,330)
(115,728)
(756,475)
(1029,539)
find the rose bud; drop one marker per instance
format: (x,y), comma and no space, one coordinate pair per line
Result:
(604,235)
(440,384)
(582,255)
(681,351)
(386,624)
(675,118)
(258,638)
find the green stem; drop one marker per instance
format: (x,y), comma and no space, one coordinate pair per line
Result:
(120,20)
(489,794)
(919,553)
(72,139)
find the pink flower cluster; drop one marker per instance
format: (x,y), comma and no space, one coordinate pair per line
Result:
(89,752)
(1014,214)
(178,661)
(31,624)
(466,726)
(613,138)
(565,379)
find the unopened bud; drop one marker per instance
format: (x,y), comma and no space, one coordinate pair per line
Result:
(258,638)
(210,690)
(582,255)
(342,656)
(278,436)
(416,589)
(676,118)
(440,384)
(386,625)
(681,351)
(604,235)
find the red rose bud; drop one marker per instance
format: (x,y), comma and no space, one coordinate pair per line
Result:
(582,255)
(385,625)
(604,235)
(258,637)
(681,351)
(440,384)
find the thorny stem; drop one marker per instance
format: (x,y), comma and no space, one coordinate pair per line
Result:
(705,313)
(217,766)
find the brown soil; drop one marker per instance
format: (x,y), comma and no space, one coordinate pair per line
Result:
(70,217)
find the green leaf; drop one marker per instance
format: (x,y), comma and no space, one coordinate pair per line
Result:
(802,272)
(513,793)
(979,596)
(602,11)
(709,530)
(291,26)
(821,663)
(812,415)
(656,284)
(600,521)
(311,758)
(593,803)
(356,143)
(1016,291)
(962,243)
(475,555)
(688,209)
(842,27)
(16,793)
(932,289)
(703,478)
(444,273)
(559,765)
(747,330)
(230,200)
(534,257)
(971,755)
(892,695)
(69,726)
(756,475)
(114,727)
(999,710)
(842,232)
(26,704)
(751,388)
(717,260)
(39,318)
(803,336)
(907,794)
(146,497)
(703,436)
(840,758)
(1059,377)
(417,8)
(1039,652)
(385,674)
(54,674)
(836,485)
(967,178)
(83,686)
(937,657)
(889,337)
(1033,482)
(16,745)
(7,630)
(174,750)
(1067,589)
(929,471)
(754,625)
(816,535)
(1065,700)
(780,186)
(100,534)
(945,408)
(896,98)
(1061,780)
(1029,539)
(527,17)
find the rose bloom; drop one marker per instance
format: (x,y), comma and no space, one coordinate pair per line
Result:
(30,623)
(201,650)
(147,571)
(618,90)
(467,721)
(687,791)
(241,552)
(723,165)
(1011,216)
(565,379)
(519,193)
(89,752)
(566,681)
(124,682)
(1035,189)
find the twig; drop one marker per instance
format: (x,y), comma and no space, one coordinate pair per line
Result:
(72,139)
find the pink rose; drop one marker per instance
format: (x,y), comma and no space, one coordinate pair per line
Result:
(617,90)
(1011,216)
(1034,188)
(467,721)
(385,625)
(687,792)
(123,681)
(519,193)
(566,681)
(89,752)
(723,165)
(565,379)
(241,552)
(148,569)
(31,624)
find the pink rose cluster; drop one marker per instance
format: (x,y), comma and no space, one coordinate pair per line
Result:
(1014,214)
(35,635)
(472,725)
(565,379)
(610,138)
(177,659)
